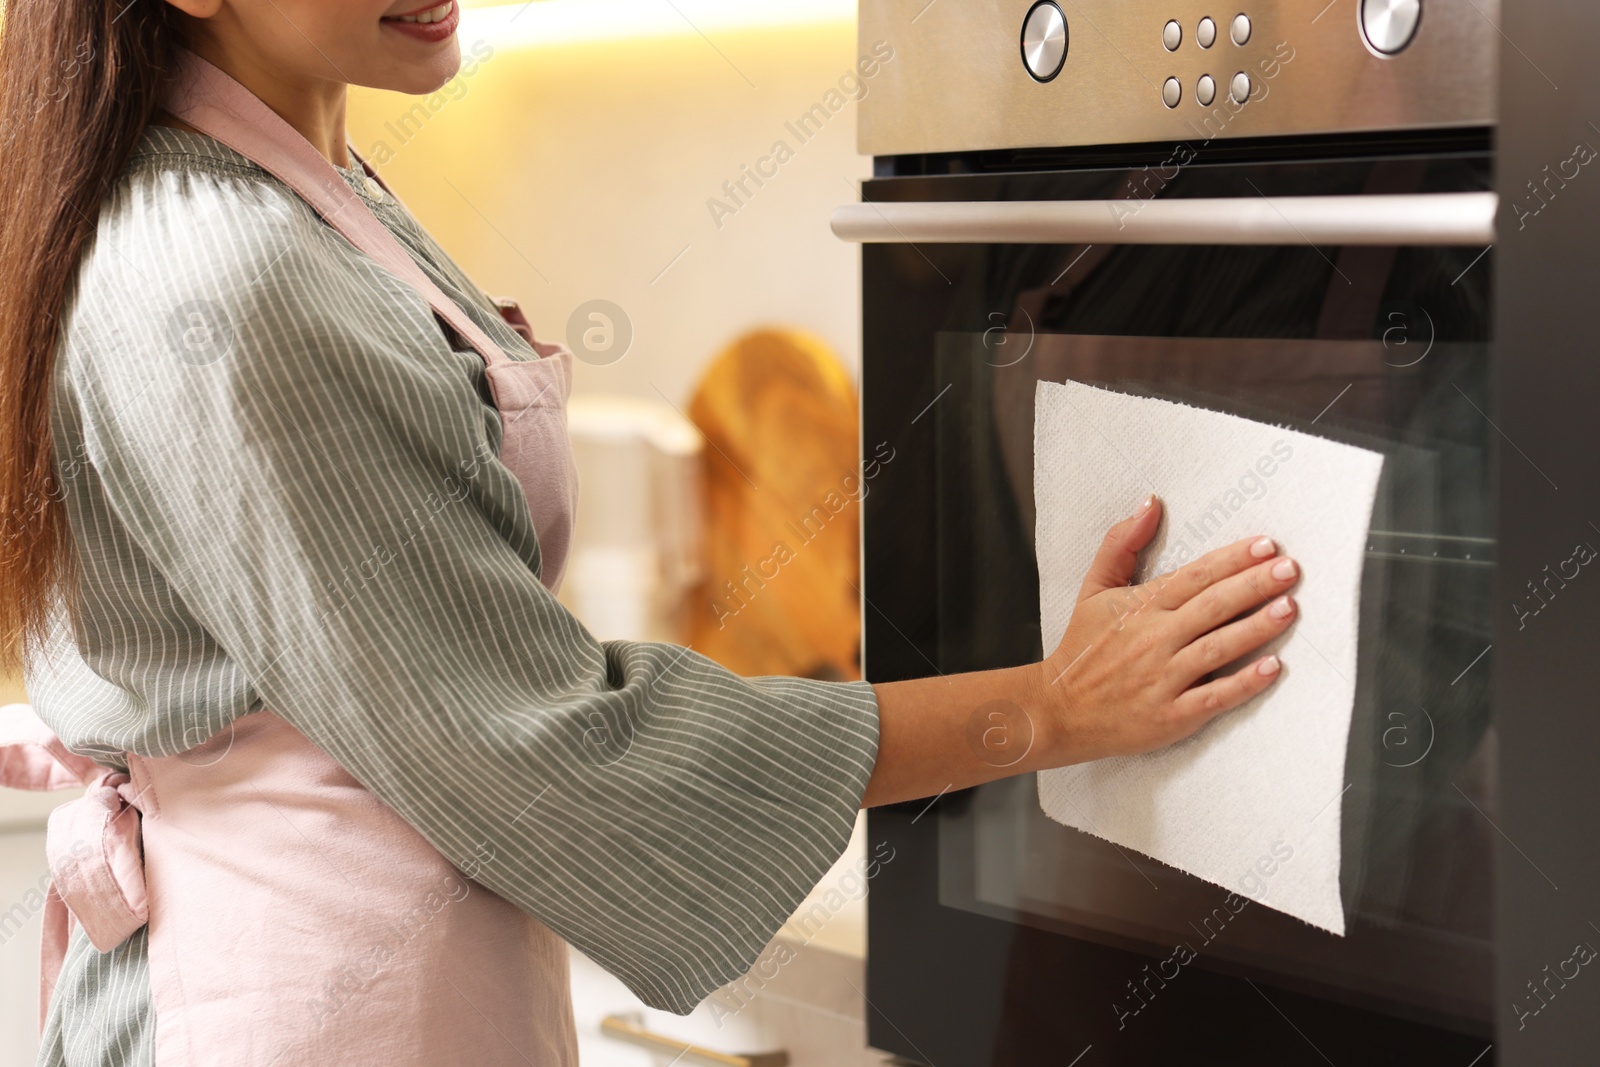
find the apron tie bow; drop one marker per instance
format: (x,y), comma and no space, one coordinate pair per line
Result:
(92,843)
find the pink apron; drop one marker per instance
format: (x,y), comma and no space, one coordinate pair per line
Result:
(293,917)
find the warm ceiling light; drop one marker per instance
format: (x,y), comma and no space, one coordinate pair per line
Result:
(535,23)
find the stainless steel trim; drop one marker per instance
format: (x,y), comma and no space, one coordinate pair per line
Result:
(956,82)
(1421,219)
(629,1029)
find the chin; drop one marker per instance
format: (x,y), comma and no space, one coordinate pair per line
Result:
(429,76)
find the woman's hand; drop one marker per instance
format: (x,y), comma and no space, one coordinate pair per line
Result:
(1130,672)
(1128,676)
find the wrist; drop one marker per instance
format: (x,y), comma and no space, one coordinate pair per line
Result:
(1015,727)
(1044,687)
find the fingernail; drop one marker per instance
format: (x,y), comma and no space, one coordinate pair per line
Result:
(1149,500)
(1281,608)
(1268,667)
(1283,570)
(1263,548)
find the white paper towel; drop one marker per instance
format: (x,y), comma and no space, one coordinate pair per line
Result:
(1251,802)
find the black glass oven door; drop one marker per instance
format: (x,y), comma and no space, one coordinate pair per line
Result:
(1000,937)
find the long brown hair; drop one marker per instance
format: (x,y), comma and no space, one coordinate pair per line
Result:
(79,82)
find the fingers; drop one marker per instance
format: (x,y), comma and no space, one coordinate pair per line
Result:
(1223,646)
(1173,590)
(1233,596)
(1203,703)
(1119,553)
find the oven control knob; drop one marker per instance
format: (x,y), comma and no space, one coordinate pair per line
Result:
(1044,40)
(1389,25)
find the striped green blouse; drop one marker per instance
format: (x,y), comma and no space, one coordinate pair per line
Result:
(278,472)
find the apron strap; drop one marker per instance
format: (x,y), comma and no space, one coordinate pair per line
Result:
(33,757)
(216,104)
(510,311)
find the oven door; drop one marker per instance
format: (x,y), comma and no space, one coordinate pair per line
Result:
(1264,290)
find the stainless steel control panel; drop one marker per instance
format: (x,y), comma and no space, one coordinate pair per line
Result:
(982,74)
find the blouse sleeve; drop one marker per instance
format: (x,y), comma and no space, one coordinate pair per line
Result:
(317,483)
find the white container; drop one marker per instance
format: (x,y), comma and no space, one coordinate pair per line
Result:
(636,542)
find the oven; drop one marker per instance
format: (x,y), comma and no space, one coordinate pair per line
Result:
(1262,210)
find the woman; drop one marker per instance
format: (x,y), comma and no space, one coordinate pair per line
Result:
(280,551)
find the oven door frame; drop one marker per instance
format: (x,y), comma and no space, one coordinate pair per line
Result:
(1545,681)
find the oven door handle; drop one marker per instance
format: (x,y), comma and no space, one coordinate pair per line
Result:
(1404,219)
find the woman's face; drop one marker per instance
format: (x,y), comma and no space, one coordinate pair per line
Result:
(359,42)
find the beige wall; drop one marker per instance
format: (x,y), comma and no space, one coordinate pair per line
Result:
(568,172)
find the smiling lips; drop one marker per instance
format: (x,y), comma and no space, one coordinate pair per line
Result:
(431,24)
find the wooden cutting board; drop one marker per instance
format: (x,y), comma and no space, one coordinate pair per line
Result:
(782,488)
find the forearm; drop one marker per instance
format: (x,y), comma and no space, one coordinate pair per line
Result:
(960,730)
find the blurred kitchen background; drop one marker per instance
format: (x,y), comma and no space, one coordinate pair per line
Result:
(652,181)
